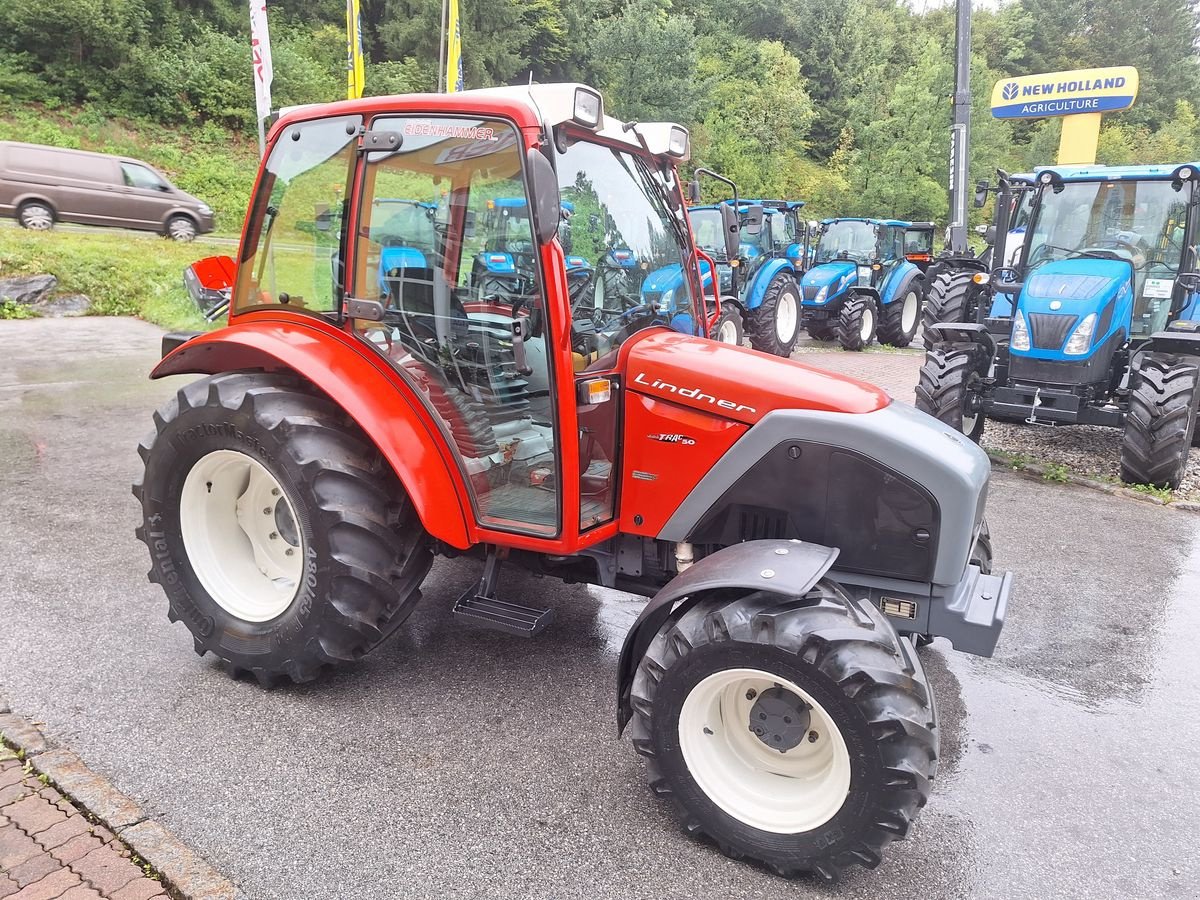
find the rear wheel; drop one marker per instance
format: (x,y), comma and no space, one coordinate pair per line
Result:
(181,228)
(900,318)
(281,538)
(729,326)
(953,297)
(775,324)
(949,390)
(796,732)
(856,323)
(1161,423)
(36,216)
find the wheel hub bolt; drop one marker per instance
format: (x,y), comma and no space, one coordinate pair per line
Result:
(812,737)
(274,492)
(751,694)
(289,552)
(266,510)
(273,535)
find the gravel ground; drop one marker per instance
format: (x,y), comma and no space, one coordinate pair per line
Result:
(1086,450)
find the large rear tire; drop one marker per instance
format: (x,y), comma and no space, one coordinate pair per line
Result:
(857,322)
(774,326)
(282,539)
(798,732)
(953,297)
(949,390)
(1161,423)
(898,324)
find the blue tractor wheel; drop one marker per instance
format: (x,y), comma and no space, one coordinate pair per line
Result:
(775,323)
(729,329)
(898,324)
(857,322)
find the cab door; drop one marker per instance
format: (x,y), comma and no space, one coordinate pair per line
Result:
(473,347)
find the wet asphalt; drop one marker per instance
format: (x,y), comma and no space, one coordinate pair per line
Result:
(464,763)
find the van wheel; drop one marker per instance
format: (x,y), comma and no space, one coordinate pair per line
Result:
(181,228)
(36,216)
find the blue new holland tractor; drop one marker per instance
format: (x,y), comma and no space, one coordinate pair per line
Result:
(1095,322)
(867,281)
(759,292)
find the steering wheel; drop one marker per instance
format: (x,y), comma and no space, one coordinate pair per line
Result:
(1099,249)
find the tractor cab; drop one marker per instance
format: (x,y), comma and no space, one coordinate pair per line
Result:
(867,281)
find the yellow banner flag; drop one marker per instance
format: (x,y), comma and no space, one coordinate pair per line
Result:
(355,79)
(454,76)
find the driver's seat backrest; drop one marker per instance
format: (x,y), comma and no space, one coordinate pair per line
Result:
(412,292)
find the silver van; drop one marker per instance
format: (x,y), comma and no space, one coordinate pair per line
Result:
(43,185)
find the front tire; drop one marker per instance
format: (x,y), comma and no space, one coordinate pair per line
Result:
(730,684)
(1160,426)
(949,391)
(280,536)
(729,326)
(898,324)
(775,324)
(181,228)
(36,216)
(856,323)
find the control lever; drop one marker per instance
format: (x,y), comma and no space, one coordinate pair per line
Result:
(519,329)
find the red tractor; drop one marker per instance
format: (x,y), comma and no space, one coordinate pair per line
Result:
(797,532)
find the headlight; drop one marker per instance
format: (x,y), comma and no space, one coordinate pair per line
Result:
(677,145)
(822,294)
(1020,333)
(864,274)
(664,302)
(1080,340)
(204,209)
(589,109)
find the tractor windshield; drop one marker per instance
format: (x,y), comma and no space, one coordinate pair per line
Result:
(1142,222)
(847,239)
(631,232)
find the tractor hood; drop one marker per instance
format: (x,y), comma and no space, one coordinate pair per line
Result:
(1059,295)
(739,384)
(670,278)
(833,276)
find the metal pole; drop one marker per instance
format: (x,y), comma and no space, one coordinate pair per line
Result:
(262,139)
(442,49)
(960,131)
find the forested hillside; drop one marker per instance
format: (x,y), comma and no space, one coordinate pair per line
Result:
(842,102)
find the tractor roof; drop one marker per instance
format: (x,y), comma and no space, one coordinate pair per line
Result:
(1159,172)
(896,222)
(744,204)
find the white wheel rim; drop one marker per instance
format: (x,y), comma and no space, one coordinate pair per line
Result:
(908,314)
(37,218)
(727,334)
(868,325)
(181,230)
(969,421)
(786,317)
(241,535)
(783,793)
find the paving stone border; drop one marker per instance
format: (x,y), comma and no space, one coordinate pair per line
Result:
(183,873)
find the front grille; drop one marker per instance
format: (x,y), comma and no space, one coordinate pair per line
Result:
(811,291)
(1049,330)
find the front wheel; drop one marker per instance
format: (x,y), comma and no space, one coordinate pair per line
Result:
(729,327)
(856,323)
(280,536)
(949,391)
(1160,426)
(775,324)
(900,319)
(181,228)
(796,732)
(36,216)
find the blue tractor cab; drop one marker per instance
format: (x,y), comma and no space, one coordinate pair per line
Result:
(404,231)
(1095,322)
(867,281)
(758,286)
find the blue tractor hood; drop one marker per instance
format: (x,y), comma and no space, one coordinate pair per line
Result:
(1059,295)
(836,276)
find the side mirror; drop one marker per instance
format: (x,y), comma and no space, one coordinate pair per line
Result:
(694,191)
(731,227)
(752,221)
(545,202)
(1189,281)
(981,192)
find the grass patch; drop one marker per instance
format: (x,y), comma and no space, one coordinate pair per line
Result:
(1056,472)
(1166,495)
(11,309)
(123,275)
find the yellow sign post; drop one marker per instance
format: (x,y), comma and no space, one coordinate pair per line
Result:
(1081,97)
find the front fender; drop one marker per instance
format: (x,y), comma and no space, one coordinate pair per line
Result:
(372,394)
(762,278)
(899,280)
(790,568)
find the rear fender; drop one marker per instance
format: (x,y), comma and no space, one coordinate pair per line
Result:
(378,399)
(763,278)
(789,568)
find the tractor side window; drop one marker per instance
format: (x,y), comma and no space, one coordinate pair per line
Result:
(291,259)
(446,245)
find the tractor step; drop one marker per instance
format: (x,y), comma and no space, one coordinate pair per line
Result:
(500,615)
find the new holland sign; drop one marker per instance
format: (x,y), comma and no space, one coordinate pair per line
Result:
(1065,93)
